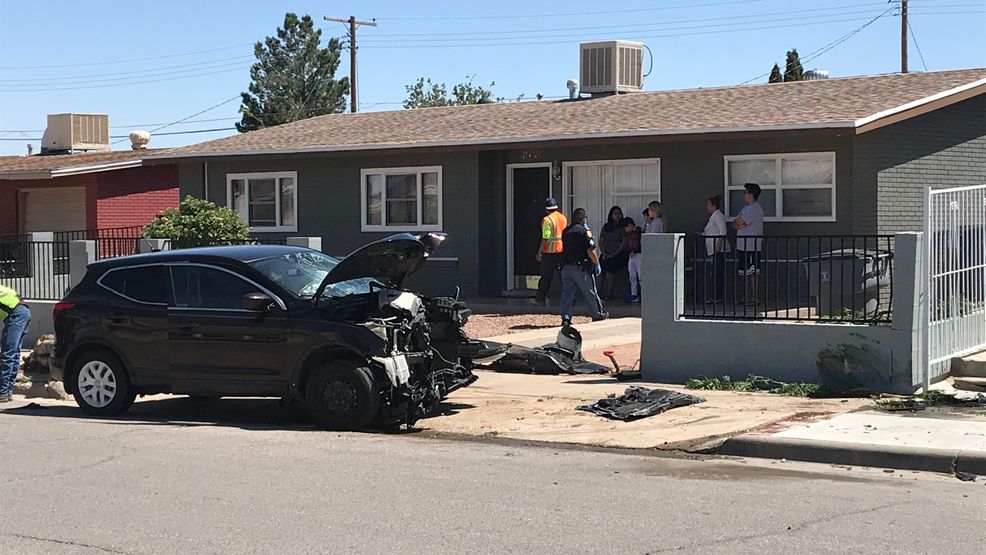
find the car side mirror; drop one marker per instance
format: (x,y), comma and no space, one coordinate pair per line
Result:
(258,302)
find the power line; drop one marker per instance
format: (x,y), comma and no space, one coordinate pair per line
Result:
(569,14)
(136,72)
(206,73)
(210,108)
(110,62)
(126,80)
(916,45)
(384,37)
(820,51)
(188,132)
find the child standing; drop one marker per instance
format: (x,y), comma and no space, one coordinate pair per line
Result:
(634,263)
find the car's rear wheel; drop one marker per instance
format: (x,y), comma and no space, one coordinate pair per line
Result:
(101,386)
(342,396)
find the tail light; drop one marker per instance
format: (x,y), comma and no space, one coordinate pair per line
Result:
(60,307)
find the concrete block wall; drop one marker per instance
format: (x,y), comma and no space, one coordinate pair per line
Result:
(944,148)
(674,349)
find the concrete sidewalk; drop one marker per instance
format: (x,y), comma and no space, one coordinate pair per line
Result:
(939,441)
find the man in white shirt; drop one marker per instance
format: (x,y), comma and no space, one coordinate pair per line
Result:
(749,240)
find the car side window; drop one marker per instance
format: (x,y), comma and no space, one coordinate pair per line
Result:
(146,284)
(202,287)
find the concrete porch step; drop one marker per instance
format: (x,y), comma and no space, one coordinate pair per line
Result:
(972,366)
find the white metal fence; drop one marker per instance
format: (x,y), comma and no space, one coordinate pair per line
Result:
(955,258)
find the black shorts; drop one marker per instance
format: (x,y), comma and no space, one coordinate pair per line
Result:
(747,261)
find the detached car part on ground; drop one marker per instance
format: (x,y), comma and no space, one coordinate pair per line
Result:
(267,321)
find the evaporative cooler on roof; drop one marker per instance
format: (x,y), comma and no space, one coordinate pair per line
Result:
(610,67)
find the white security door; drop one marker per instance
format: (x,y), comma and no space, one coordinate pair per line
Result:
(598,186)
(54,209)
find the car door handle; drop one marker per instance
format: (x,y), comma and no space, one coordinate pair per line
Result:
(117,319)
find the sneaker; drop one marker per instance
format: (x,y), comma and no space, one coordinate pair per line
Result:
(633,299)
(749,271)
(6,397)
(566,321)
(601,317)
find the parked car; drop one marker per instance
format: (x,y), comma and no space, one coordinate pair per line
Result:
(266,321)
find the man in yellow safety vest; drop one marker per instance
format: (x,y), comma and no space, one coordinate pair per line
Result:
(550,249)
(16,318)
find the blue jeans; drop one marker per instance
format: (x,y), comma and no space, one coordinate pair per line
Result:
(14,329)
(572,278)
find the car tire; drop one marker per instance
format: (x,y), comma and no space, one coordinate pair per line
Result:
(101,385)
(342,396)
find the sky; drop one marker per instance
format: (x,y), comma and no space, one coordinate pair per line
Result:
(175,68)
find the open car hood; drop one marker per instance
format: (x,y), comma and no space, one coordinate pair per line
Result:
(389,261)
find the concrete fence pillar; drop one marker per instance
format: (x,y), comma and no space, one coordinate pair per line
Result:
(80,255)
(908,310)
(40,258)
(306,242)
(661,289)
(146,245)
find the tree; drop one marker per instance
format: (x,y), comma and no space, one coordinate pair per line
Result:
(792,68)
(198,222)
(425,94)
(775,75)
(293,77)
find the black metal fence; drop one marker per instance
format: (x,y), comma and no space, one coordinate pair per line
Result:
(110,242)
(839,278)
(36,269)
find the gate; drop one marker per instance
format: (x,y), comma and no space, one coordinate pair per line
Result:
(955,270)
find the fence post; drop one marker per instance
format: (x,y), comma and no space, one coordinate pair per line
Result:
(910,311)
(306,242)
(80,255)
(145,245)
(40,261)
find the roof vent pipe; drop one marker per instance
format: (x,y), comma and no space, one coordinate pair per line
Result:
(573,87)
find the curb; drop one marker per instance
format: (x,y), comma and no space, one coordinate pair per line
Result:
(856,454)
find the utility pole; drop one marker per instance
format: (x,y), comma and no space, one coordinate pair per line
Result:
(903,36)
(353,23)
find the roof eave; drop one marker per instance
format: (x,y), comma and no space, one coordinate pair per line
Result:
(507,141)
(920,106)
(64,172)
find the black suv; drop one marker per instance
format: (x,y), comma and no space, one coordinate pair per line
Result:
(266,321)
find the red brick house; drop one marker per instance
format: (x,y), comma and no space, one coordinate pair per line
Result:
(88,190)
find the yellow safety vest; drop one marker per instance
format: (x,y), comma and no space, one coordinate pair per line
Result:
(8,299)
(551,228)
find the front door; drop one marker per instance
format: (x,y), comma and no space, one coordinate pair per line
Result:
(218,347)
(530,187)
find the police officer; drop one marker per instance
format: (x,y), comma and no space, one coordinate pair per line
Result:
(580,266)
(550,247)
(16,318)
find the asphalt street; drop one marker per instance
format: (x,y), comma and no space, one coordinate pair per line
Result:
(245,476)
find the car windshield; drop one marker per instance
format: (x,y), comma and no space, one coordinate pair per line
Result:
(302,272)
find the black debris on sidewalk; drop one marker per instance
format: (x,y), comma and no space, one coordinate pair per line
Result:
(640,402)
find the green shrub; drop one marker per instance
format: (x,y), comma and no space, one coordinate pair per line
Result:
(198,221)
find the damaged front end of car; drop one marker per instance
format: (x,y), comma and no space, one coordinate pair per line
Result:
(426,355)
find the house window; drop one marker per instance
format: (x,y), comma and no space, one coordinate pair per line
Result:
(402,199)
(795,187)
(266,201)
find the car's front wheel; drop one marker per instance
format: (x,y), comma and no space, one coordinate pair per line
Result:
(101,385)
(342,396)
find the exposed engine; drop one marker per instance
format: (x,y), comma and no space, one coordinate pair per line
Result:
(427,355)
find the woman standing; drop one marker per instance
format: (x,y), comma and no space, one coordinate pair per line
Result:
(716,247)
(613,251)
(658,219)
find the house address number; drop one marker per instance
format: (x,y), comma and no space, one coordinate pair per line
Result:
(531,155)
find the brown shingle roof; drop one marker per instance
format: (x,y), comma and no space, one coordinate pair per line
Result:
(844,102)
(46,166)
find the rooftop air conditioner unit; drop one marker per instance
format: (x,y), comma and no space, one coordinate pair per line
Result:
(609,67)
(76,132)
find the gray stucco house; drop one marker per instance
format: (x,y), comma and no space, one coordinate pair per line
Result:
(837,156)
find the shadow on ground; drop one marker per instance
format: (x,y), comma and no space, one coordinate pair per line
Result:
(180,411)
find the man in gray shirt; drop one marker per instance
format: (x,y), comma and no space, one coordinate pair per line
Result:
(749,240)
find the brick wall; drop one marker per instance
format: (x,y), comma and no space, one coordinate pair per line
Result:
(132,197)
(944,148)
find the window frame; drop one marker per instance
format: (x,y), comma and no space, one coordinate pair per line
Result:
(122,295)
(277,177)
(173,303)
(779,187)
(418,171)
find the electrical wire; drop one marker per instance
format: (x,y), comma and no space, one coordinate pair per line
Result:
(110,62)
(569,14)
(210,108)
(916,45)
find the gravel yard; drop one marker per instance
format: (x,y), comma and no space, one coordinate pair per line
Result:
(491,325)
